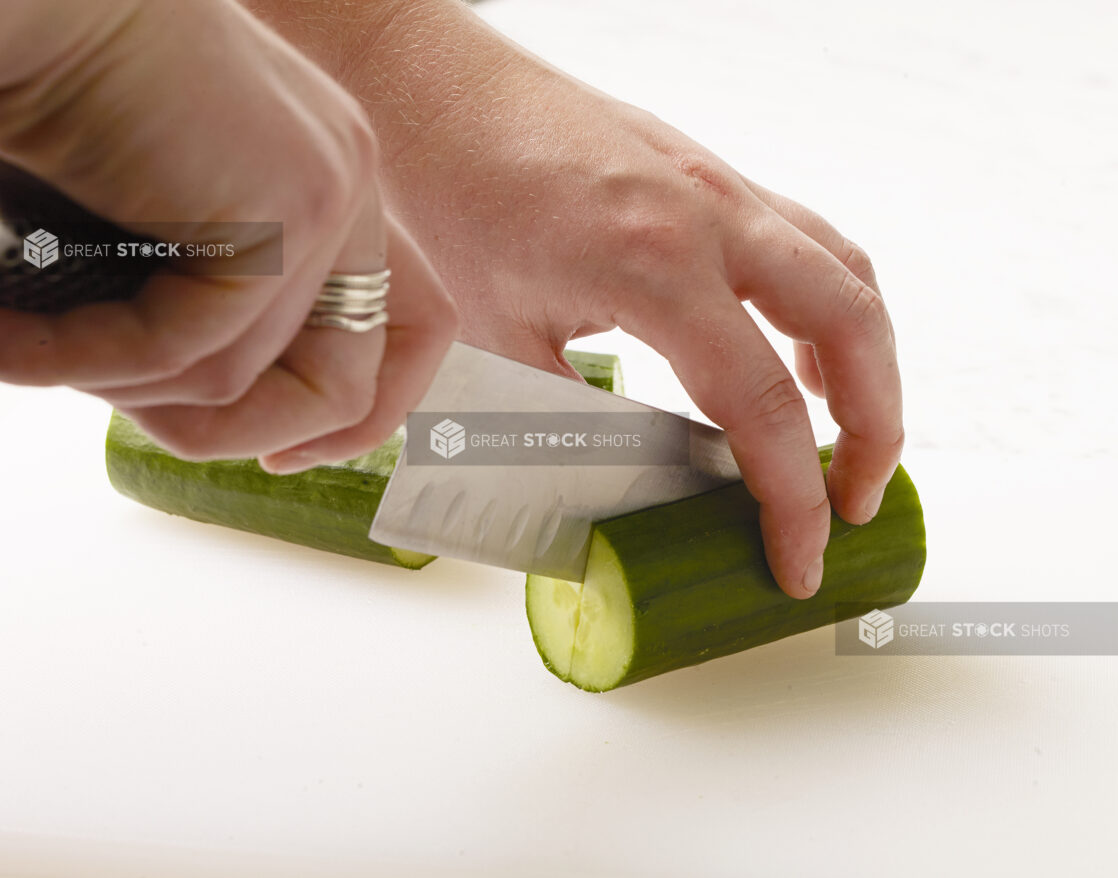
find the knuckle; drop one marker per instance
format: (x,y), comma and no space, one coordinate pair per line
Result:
(342,172)
(190,439)
(225,385)
(349,402)
(190,448)
(858,262)
(884,434)
(778,404)
(161,361)
(645,243)
(652,236)
(323,204)
(895,444)
(317,196)
(864,309)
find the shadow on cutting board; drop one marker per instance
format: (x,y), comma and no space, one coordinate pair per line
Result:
(800,681)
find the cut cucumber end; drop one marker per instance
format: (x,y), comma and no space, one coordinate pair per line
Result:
(600,370)
(584,631)
(686,582)
(410,560)
(553,615)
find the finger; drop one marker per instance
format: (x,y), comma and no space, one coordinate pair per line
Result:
(820,231)
(826,235)
(173,322)
(422,324)
(325,380)
(322,382)
(808,294)
(736,378)
(807,367)
(838,245)
(225,376)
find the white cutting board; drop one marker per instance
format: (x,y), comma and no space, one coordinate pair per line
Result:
(180,699)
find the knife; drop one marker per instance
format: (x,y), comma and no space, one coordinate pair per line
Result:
(28,205)
(534,518)
(533,508)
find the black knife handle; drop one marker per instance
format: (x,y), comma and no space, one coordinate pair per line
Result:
(27,204)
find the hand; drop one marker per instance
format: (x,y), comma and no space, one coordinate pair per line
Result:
(197,113)
(618,220)
(552,211)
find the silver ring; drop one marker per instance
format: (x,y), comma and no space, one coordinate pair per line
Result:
(359,281)
(351,302)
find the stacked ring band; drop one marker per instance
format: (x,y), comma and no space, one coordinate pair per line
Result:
(352,302)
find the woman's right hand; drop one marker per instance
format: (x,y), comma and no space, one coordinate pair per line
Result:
(151,110)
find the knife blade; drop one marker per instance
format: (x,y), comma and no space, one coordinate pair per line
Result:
(531,517)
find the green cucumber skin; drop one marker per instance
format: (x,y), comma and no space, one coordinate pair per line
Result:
(328,507)
(700,588)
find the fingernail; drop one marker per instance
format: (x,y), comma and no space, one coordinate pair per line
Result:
(286,464)
(813,576)
(874,503)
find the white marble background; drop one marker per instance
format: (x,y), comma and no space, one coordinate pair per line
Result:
(179,699)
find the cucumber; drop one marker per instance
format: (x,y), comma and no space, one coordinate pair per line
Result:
(686,582)
(328,507)
(600,370)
